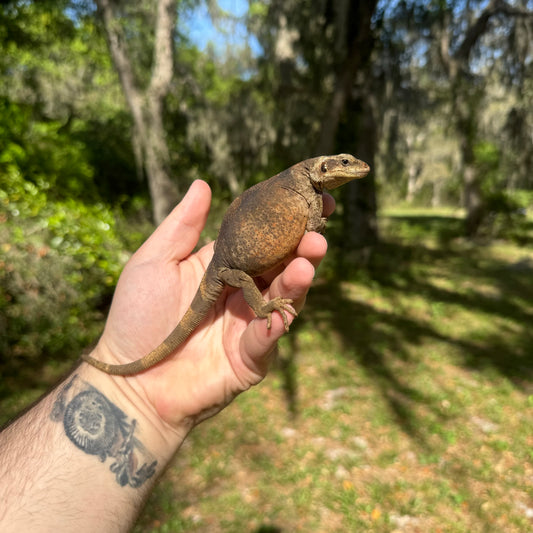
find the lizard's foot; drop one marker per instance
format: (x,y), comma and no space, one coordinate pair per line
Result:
(318,225)
(282,306)
(239,278)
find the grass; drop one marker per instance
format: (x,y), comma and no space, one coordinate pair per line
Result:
(401,401)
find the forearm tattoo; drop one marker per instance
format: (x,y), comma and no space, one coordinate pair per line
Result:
(98,427)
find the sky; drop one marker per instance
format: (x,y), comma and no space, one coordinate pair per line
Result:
(201,31)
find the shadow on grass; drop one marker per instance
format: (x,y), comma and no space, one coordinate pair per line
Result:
(375,338)
(443,228)
(268,529)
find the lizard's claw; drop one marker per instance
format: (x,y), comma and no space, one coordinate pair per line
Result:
(283,306)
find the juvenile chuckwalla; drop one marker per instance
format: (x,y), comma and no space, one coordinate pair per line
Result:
(260,229)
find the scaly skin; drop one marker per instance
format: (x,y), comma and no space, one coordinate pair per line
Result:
(260,229)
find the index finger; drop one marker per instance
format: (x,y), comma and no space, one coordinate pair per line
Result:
(257,342)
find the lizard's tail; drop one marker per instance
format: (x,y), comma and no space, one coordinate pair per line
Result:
(205,297)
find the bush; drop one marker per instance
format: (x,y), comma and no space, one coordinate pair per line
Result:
(507,216)
(505,211)
(59,262)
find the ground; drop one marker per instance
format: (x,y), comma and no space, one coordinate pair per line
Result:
(401,401)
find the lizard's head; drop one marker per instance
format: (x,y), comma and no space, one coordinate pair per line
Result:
(331,171)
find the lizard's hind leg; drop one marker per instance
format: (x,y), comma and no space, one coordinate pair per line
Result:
(254,298)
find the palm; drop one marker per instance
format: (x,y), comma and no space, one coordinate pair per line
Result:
(226,354)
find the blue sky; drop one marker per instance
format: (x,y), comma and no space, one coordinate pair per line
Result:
(201,31)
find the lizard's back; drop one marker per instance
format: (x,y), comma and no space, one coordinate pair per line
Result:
(263,226)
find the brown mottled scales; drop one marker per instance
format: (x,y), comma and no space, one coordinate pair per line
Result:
(260,229)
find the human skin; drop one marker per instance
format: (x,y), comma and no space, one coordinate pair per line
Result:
(50,476)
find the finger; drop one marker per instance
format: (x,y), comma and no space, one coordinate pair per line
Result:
(257,346)
(294,282)
(328,204)
(258,342)
(177,235)
(312,247)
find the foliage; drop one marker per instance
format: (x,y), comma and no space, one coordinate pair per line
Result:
(507,216)
(463,66)
(59,90)
(505,210)
(225,119)
(60,256)
(411,389)
(43,154)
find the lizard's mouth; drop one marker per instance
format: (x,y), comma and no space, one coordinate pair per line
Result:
(336,180)
(362,172)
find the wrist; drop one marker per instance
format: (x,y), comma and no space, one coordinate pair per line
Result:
(88,443)
(126,403)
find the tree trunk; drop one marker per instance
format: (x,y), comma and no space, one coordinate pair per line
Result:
(163,190)
(413,173)
(466,97)
(472,197)
(358,50)
(359,196)
(466,102)
(436,197)
(146,105)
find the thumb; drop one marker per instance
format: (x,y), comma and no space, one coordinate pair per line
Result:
(178,234)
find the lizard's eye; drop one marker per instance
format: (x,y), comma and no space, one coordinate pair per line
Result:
(324,167)
(345,162)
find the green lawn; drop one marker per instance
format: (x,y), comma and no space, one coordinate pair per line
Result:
(401,401)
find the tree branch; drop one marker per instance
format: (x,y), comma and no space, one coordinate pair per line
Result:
(357,53)
(146,104)
(478,28)
(162,69)
(120,58)
(444,43)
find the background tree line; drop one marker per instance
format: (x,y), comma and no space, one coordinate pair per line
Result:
(109,110)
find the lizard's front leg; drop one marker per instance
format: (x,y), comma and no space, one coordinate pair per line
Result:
(254,298)
(318,224)
(316,221)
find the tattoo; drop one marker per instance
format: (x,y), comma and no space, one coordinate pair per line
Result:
(98,427)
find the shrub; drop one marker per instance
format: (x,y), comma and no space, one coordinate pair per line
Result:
(59,262)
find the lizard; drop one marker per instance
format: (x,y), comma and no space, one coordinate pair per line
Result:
(260,229)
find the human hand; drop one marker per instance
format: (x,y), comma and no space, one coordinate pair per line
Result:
(230,350)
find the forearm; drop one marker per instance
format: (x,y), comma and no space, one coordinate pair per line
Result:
(84,458)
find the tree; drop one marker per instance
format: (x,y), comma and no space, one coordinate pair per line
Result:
(353,96)
(147,103)
(456,52)
(57,68)
(317,65)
